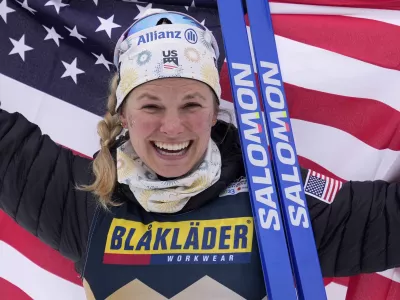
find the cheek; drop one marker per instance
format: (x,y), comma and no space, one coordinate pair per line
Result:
(201,121)
(142,124)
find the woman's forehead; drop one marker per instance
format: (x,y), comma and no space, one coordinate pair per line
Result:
(172,84)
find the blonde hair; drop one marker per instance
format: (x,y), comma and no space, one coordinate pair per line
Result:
(103,165)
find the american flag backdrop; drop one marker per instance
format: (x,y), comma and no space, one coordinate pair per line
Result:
(340,62)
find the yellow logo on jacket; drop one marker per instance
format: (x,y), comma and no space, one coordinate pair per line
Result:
(187,242)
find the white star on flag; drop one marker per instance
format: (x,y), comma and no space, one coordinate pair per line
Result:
(20,47)
(57,4)
(191,5)
(71,70)
(142,10)
(96,2)
(52,34)
(4,10)
(74,32)
(26,6)
(107,25)
(203,22)
(102,60)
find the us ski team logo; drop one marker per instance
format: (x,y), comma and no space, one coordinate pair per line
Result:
(170,59)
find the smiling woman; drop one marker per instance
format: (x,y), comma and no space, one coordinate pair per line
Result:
(166,94)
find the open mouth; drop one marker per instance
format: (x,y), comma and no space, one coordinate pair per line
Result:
(172,149)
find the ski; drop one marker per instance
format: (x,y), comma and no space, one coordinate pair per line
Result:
(283,226)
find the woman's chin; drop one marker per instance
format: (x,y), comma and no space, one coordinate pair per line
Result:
(172,172)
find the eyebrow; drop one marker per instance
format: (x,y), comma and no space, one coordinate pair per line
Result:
(187,97)
(148,96)
(194,95)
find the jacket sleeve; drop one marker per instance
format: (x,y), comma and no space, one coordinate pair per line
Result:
(359,231)
(37,186)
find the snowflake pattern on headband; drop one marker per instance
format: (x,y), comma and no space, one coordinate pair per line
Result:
(128,80)
(192,54)
(143,57)
(205,39)
(209,75)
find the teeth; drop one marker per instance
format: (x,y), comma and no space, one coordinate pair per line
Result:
(173,147)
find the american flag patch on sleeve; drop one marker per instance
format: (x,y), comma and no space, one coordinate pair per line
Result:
(321,187)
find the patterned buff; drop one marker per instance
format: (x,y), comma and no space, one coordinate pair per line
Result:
(168,50)
(166,196)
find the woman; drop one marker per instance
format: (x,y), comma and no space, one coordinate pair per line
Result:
(151,218)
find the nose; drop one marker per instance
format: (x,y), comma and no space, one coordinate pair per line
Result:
(171,124)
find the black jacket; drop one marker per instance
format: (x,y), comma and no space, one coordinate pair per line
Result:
(359,232)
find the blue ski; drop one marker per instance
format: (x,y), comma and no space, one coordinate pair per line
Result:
(303,252)
(278,275)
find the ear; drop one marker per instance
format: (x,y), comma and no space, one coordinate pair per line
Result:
(123,119)
(214,120)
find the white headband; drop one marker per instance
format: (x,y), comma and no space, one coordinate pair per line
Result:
(168,50)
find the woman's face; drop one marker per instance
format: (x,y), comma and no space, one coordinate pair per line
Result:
(169,122)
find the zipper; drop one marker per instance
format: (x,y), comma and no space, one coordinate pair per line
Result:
(91,231)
